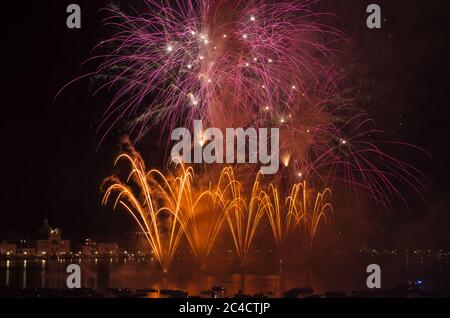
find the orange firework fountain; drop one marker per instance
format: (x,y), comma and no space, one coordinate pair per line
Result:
(246,66)
(168,208)
(303,212)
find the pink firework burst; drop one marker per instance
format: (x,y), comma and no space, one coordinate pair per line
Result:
(244,63)
(221,61)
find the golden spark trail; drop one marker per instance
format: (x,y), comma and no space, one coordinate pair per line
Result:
(168,208)
(308,215)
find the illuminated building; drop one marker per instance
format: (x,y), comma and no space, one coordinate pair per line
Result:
(7,249)
(54,245)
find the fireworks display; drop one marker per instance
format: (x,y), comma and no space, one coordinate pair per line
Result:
(226,62)
(232,150)
(201,214)
(242,64)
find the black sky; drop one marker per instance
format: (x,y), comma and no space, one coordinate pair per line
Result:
(50,165)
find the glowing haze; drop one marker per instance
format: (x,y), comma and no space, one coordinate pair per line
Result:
(232,64)
(249,64)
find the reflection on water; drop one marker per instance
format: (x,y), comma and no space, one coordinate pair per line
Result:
(24,275)
(102,274)
(8,265)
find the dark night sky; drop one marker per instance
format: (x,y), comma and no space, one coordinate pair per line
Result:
(50,166)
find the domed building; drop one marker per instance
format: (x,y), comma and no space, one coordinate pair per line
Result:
(53,245)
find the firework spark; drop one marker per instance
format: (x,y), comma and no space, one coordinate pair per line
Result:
(250,64)
(215,59)
(302,212)
(169,208)
(242,63)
